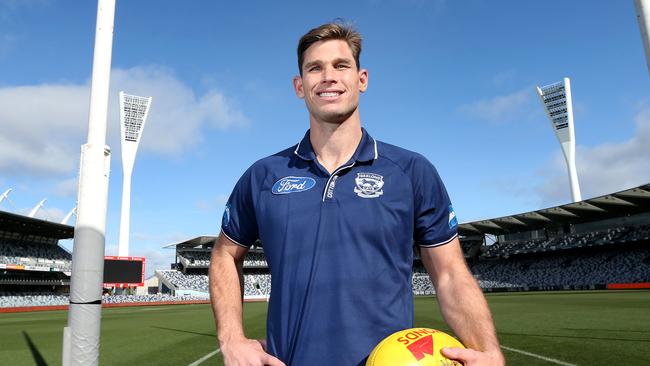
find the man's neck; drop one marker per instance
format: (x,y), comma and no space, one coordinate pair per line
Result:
(335,143)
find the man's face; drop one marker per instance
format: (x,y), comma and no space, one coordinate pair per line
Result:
(330,82)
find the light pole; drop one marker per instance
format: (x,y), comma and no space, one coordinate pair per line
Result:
(556,99)
(133,115)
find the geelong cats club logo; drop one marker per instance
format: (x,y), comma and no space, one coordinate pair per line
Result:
(369,185)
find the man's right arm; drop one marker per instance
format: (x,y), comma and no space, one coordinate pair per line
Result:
(226,293)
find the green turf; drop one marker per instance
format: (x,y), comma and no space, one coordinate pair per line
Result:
(582,328)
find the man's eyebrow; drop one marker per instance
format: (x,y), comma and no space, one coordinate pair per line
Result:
(311,63)
(338,60)
(341,60)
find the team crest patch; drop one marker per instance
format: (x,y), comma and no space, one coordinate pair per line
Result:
(369,185)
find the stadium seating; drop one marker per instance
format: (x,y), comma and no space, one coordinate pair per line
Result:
(422,285)
(14,299)
(34,254)
(257,285)
(614,235)
(195,258)
(255,259)
(615,255)
(201,259)
(580,268)
(45,299)
(254,284)
(182,281)
(123,299)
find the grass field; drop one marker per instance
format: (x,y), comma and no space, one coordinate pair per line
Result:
(577,328)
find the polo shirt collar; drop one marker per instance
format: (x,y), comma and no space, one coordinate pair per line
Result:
(366,151)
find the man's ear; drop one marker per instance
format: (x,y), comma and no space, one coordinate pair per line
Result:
(363,80)
(297,86)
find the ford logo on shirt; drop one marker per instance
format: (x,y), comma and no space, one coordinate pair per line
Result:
(288,185)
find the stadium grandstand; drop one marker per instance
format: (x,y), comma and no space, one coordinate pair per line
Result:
(598,243)
(189,275)
(591,244)
(588,244)
(34,268)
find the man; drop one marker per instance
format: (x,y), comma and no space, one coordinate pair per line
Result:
(338,214)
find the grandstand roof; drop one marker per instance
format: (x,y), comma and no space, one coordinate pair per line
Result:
(15,223)
(205,242)
(202,240)
(619,204)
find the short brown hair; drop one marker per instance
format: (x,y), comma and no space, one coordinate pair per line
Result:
(330,31)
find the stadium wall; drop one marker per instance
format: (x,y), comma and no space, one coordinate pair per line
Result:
(629,286)
(547,288)
(116,305)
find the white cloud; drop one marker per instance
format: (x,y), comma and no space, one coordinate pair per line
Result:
(44,125)
(66,188)
(604,168)
(511,107)
(157,259)
(177,116)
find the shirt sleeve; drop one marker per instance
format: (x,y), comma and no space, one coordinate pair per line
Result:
(239,223)
(435,219)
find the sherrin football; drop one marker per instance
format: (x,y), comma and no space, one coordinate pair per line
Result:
(414,347)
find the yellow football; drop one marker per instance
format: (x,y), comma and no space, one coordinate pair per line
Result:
(414,347)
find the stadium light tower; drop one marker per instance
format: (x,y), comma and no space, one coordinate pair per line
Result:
(643,16)
(133,115)
(556,99)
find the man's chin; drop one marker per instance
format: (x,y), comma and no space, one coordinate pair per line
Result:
(334,117)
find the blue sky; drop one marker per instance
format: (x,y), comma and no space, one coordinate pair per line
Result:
(453,80)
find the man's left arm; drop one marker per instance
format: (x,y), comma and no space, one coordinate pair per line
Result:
(463,305)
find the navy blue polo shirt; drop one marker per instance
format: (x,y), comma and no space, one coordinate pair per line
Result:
(339,246)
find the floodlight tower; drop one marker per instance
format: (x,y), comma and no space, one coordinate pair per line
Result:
(559,108)
(133,115)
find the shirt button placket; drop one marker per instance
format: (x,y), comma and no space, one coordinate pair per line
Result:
(330,187)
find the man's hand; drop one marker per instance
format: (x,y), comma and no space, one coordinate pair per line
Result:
(247,352)
(463,306)
(470,357)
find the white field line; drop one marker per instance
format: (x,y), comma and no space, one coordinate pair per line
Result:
(200,360)
(152,309)
(538,356)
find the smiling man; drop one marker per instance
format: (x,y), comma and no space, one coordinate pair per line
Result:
(338,214)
